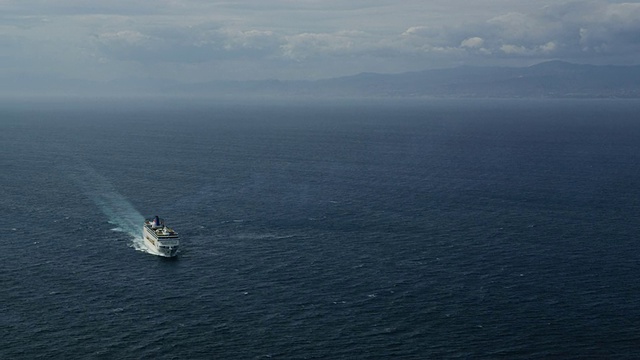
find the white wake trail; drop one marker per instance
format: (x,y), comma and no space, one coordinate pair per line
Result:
(118,210)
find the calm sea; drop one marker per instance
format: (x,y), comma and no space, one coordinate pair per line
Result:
(321,230)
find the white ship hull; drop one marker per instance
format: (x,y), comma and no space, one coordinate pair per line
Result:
(159,239)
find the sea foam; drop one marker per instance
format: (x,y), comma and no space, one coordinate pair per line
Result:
(118,210)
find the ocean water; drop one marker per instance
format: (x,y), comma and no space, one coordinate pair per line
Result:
(321,230)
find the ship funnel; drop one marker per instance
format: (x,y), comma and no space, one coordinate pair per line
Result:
(156,222)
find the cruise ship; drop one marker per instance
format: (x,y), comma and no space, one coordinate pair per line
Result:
(160,239)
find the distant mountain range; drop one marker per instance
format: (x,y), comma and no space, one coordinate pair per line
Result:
(548,79)
(552,79)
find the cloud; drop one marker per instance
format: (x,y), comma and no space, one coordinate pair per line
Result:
(128,37)
(473,42)
(190,44)
(519,50)
(249,39)
(567,30)
(305,45)
(570,30)
(78,7)
(616,29)
(285,38)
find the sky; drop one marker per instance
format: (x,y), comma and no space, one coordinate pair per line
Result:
(199,40)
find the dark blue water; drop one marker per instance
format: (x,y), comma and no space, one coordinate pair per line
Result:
(437,229)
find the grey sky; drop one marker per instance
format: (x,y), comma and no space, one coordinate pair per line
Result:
(198,40)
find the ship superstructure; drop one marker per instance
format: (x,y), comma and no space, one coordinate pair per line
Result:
(159,238)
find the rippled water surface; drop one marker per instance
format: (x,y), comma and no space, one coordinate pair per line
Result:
(435,229)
